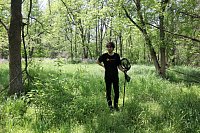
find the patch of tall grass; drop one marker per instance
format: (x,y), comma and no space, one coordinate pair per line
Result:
(3,75)
(71,98)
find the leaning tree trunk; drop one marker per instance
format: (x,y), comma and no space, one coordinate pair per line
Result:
(15,73)
(143,29)
(152,51)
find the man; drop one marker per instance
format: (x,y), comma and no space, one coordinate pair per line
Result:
(111,63)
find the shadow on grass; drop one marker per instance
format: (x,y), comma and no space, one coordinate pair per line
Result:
(183,112)
(184,74)
(89,113)
(78,102)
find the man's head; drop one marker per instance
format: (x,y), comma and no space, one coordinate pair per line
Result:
(110,44)
(110,47)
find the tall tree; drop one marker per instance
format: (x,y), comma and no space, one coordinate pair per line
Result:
(16,86)
(162,38)
(143,27)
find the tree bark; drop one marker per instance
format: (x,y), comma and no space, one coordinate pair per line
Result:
(120,44)
(97,30)
(162,41)
(71,46)
(110,38)
(15,73)
(101,37)
(75,43)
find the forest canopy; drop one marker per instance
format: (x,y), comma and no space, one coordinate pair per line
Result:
(79,29)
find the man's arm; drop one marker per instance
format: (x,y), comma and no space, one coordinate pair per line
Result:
(101,64)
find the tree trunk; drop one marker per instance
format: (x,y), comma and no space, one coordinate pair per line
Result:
(116,44)
(85,48)
(162,41)
(172,28)
(15,73)
(101,38)
(97,29)
(88,42)
(110,39)
(75,43)
(152,51)
(83,40)
(120,44)
(71,45)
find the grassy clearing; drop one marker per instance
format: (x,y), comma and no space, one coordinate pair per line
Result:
(71,98)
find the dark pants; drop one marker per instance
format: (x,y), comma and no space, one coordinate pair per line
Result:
(109,82)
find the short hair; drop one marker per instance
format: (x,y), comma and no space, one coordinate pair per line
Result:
(110,44)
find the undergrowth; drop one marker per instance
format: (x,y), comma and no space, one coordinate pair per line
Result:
(71,98)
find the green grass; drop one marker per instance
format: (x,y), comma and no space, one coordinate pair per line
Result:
(68,98)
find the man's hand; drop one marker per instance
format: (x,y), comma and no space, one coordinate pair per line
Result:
(122,69)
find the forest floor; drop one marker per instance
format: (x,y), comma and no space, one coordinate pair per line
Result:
(70,98)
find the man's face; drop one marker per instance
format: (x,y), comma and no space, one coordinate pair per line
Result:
(110,49)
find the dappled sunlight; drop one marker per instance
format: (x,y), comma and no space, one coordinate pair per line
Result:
(77,128)
(154,108)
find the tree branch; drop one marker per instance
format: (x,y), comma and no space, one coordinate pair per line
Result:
(140,28)
(28,19)
(49,2)
(70,12)
(185,13)
(189,14)
(5,27)
(40,24)
(30,8)
(129,17)
(183,36)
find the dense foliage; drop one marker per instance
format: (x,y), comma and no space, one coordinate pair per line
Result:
(79,29)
